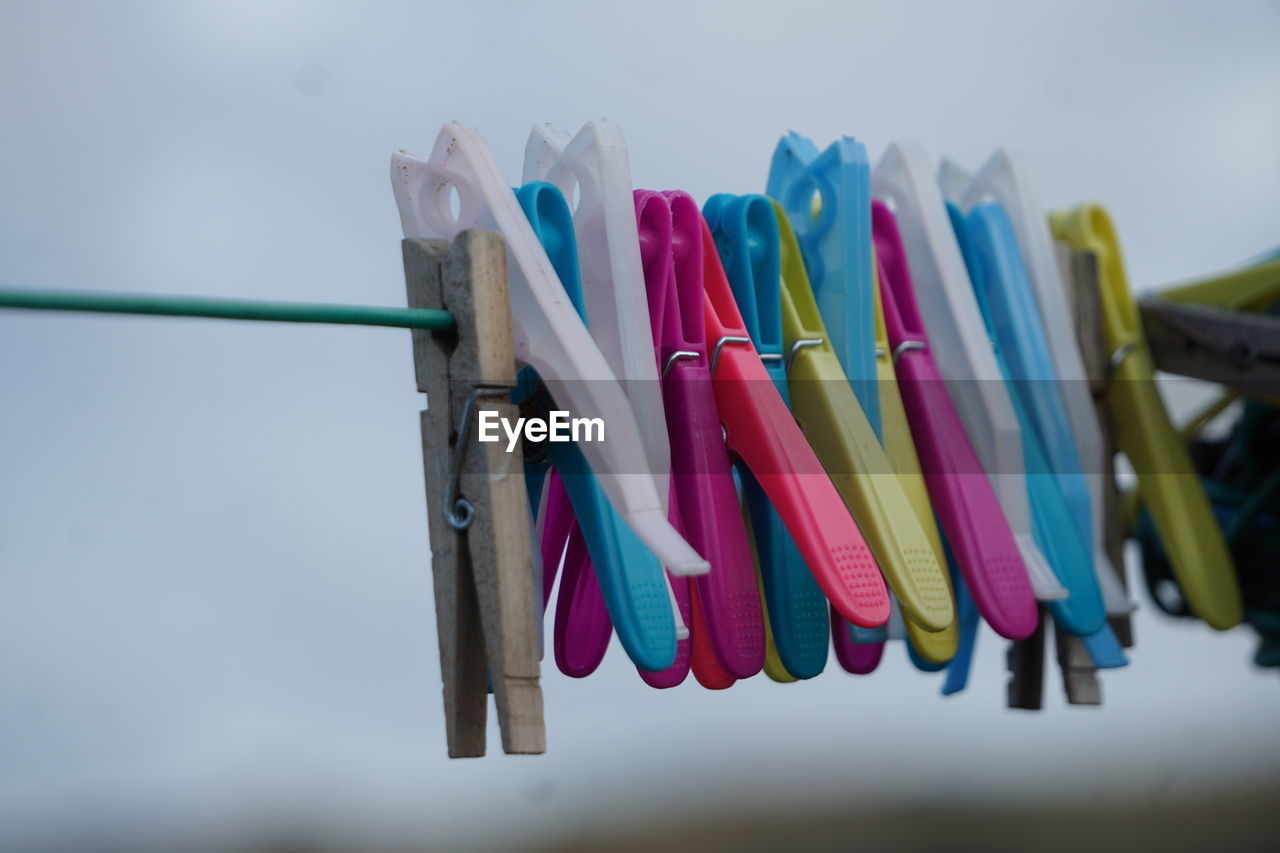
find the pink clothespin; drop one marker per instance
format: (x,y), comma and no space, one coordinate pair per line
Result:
(703,490)
(762,432)
(966,505)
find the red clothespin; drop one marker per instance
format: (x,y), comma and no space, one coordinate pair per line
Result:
(762,432)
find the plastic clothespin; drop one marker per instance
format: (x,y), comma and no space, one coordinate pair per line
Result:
(827,198)
(764,435)
(1168,482)
(929,650)
(767,273)
(964,500)
(604,221)
(1251,288)
(797,607)
(987,242)
(1009,182)
(835,239)
(548,334)
(670,229)
(595,163)
(960,343)
(836,244)
(630,578)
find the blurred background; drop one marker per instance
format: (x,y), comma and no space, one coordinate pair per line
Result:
(216,624)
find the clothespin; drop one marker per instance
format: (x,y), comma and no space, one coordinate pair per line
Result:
(835,241)
(823,401)
(962,495)
(1234,348)
(1080,272)
(764,435)
(1004,298)
(548,334)
(1008,181)
(836,246)
(728,609)
(928,650)
(596,164)
(1251,288)
(797,608)
(486,613)
(630,579)
(1167,480)
(827,198)
(961,345)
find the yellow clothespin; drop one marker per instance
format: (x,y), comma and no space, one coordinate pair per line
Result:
(834,424)
(1248,289)
(1168,481)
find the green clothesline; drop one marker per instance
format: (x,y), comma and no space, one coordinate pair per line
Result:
(225,309)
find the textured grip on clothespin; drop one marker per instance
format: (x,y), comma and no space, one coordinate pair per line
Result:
(486,609)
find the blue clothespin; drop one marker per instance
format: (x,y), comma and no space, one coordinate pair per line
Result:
(1012,314)
(631,578)
(836,244)
(837,248)
(745,229)
(990,250)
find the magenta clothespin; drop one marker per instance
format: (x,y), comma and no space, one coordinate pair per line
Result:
(703,489)
(961,493)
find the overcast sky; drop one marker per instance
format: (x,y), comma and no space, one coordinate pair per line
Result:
(215,604)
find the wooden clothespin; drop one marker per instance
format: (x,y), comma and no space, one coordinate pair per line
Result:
(1235,348)
(1083,281)
(1080,273)
(486,612)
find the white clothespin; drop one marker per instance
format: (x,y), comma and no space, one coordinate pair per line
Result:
(547,332)
(960,343)
(1008,181)
(604,223)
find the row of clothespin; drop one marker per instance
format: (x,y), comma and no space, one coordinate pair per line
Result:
(850,411)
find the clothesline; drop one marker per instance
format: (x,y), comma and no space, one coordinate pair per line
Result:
(225,309)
